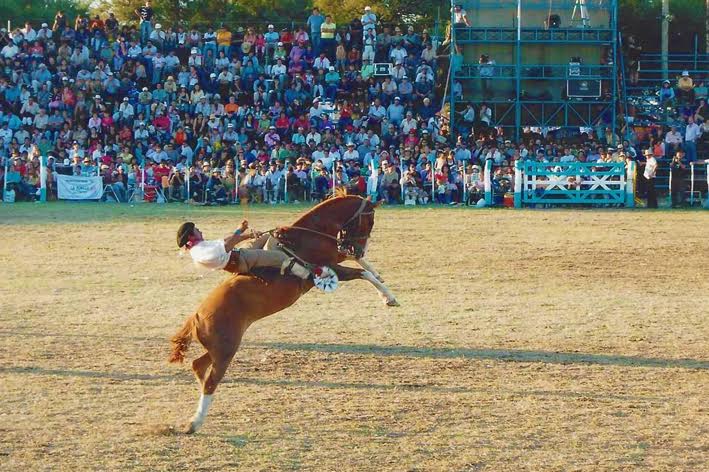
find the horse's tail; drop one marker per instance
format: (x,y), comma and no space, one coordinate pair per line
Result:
(182,339)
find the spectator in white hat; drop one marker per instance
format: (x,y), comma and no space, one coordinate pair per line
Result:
(271,37)
(44,33)
(369,20)
(157,37)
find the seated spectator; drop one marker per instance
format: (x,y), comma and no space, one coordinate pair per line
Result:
(685,88)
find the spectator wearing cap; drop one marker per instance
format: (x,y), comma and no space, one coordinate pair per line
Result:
(666,94)
(158,37)
(44,33)
(395,112)
(332,79)
(369,21)
(196,59)
(649,174)
(685,88)
(271,38)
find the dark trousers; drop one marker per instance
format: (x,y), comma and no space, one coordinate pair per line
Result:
(651,193)
(677,192)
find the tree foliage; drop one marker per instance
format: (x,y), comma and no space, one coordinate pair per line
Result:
(212,12)
(19,11)
(421,12)
(638,17)
(642,18)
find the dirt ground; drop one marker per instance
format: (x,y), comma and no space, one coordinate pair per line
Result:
(526,340)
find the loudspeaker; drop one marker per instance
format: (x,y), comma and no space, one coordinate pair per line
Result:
(382,68)
(554,21)
(583,88)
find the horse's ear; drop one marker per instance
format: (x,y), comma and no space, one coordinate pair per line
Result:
(378,204)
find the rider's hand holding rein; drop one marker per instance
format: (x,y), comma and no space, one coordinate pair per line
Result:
(239,235)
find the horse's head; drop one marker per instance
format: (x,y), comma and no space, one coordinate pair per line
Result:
(355,231)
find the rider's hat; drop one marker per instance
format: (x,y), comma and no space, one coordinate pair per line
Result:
(184,232)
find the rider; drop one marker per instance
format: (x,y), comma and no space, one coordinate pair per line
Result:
(223,253)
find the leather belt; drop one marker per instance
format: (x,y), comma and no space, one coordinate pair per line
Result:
(233,264)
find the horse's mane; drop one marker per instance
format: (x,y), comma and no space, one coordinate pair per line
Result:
(340,196)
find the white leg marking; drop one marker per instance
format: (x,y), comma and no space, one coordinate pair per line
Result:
(365,264)
(389,297)
(202,408)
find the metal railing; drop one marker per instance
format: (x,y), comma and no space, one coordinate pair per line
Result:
(493,34)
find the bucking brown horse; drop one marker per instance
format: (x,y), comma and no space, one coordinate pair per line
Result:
(333,231)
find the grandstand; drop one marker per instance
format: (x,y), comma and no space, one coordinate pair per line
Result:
(279,113)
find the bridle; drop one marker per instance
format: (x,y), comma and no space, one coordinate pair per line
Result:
(351,244)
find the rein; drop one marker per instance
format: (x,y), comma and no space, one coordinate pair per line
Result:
(301,228)
(339,240)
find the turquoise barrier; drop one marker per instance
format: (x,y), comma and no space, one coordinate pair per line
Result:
(574,183)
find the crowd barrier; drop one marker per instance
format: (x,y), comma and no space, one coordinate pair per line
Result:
(574,183)
(536,184)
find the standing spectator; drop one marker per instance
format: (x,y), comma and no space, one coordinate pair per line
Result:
(224,38)
(460,17)
(650,174)
(487,71)
(60,23)
(145,14)
(677,172)
(691,135)
(315,21)
(634,50)
(369,21)
(327,35)
(272,38)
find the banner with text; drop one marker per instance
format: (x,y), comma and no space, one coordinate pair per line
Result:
(71,187)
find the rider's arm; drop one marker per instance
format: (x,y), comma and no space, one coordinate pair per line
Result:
(239,235)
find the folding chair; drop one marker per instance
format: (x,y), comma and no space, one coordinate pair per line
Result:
(11,178)
(134,193)
(108,187)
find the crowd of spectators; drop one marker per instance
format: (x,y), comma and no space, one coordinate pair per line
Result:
(270,115)
(221,108)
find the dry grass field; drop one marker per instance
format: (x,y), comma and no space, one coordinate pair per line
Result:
(526,340)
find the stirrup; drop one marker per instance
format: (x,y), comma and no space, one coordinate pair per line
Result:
(287,266)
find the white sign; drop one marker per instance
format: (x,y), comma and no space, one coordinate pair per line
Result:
(71,187)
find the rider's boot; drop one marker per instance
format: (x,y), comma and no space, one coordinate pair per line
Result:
(291,267)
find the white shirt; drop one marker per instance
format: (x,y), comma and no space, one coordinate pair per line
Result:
(650,168)
(210,254)
(692,132)
(673,137)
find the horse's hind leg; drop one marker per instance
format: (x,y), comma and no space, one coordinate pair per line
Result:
(347,273)
(220,362)
(200,366)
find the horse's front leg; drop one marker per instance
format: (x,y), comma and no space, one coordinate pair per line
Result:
(366,265)
(348,273)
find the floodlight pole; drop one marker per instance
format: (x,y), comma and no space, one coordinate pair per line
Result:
(665,23)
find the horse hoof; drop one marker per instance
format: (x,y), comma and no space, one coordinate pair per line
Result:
(391,302)
(191,428)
